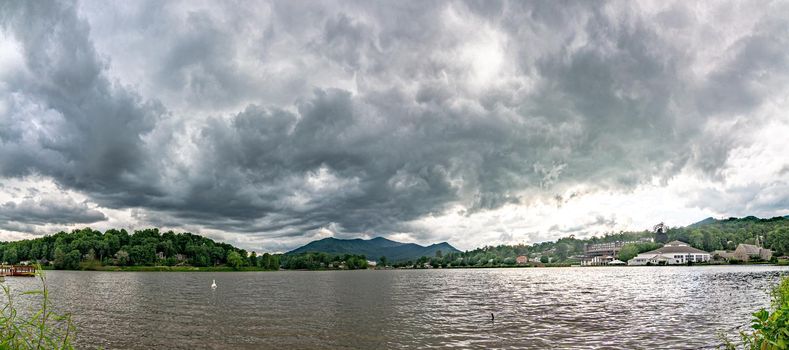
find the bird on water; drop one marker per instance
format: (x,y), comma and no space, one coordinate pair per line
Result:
(492,317)
(213,284)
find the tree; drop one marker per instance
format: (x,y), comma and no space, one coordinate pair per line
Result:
(60,257)
(274,262)
(628,252)
(382,259)
(66,261)
(661,233)
(72,260)
(696,239)
(253,259)
(10,256)
(544,259)
(779,240)
(121,257)
(561,251)
(235,260)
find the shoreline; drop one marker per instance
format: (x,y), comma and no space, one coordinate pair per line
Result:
(255,269)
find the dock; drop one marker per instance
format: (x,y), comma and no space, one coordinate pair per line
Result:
(17,270)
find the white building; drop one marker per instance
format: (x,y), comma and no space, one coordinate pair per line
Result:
(673,253)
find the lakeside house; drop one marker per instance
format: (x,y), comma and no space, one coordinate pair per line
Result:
(521,260)
(673,253)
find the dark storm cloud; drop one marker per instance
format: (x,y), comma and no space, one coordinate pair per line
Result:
(368,115)
(48,211)
(66,119)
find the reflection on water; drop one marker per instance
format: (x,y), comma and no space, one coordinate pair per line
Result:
(643,307)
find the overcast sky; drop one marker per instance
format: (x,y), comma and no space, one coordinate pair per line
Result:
(270,124)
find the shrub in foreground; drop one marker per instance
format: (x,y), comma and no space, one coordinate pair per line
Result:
(769,328)
(38,328)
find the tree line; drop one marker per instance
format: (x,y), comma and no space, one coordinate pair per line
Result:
(149,247)
(323,261)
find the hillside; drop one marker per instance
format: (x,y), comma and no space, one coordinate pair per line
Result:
(374,248)
(708,234)
(87,248)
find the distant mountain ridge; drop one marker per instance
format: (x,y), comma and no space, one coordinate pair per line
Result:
(374,248)
(713,221)
(707,221)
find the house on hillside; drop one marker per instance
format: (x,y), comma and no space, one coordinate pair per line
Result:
(748,252)
(521,260)
(673,253)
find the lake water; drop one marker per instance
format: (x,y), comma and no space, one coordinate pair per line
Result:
(535,308)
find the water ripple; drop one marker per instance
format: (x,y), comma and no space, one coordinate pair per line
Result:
(559,308)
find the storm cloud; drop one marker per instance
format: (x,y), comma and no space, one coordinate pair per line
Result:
(269,123)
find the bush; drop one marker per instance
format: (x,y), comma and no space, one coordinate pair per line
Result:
(770,328)
(44,329)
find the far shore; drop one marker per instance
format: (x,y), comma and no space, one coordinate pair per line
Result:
(167,269)
(256,269)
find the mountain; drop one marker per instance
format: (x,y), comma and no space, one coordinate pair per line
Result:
(707,221)
(374,248)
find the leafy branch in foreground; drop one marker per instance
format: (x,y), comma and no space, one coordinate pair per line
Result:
(770,328)
(42,329)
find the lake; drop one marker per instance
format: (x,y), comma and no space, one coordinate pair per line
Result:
(584,307)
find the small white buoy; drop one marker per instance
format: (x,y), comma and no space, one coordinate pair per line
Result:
(213,284)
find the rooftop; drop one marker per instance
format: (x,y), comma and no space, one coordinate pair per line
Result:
(749,248)
(676,247)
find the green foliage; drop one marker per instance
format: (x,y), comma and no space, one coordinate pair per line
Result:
(321,261)
(235,260)
(544,259)
(713,234)
(40,328)
(66,261)
(253,259)
(770,328)
(10,256)
(628,252)
(269,262)
(92,249)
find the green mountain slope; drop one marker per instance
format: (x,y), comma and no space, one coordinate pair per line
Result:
(374,248)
